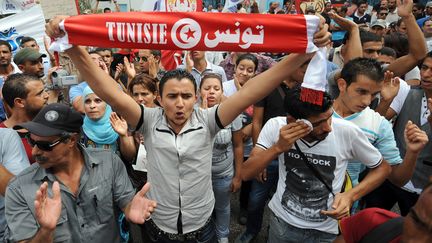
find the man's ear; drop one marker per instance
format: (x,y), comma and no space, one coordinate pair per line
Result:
(342,85)
(19,102)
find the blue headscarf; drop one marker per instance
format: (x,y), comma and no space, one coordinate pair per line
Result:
(100,131)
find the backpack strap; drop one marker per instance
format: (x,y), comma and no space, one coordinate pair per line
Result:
(385,232)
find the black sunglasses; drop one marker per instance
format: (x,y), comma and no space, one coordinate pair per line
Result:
(144,59)
(45,145)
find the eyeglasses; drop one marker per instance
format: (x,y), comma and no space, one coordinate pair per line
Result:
(45,145)
(144,59)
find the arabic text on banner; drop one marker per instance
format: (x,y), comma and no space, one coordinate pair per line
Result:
(195,31)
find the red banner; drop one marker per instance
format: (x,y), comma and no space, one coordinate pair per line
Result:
(194,31)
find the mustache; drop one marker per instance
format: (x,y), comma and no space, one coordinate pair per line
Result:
(40,158)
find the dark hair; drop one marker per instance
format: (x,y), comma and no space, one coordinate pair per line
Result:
(178,74)
(26,39)
(428,55)
(399,22)
(145,80)
(254,8)
(368,67)
(101,49)
(248,56)
(304,110)
(15,87)
(419,6)
(156,53)
(343,9)
(361,2)
(399,43)
(207,75)
(106,9)
(366,36)
(5,43)
(388,51)
(239,6)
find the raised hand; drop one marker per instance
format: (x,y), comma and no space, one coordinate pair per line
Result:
(415,138)
(48,209)
(129,68)
(118,124)
(344,24)
(140,208)
(404,9)
(153,66)
(390,86)
(322,37)
(204,102)
(189,62)
(119,69)
(52,28)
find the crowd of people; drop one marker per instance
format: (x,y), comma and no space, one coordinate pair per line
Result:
(136,149)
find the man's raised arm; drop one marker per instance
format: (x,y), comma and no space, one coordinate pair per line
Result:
(100,82)
(416,41)
(105,86)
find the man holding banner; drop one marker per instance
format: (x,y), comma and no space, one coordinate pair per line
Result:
(179,138)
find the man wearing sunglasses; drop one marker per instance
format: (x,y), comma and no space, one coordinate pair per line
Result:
(149,62)
(71,194)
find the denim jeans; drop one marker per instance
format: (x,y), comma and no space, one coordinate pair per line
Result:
(258,197)
(282,232)
(222,208)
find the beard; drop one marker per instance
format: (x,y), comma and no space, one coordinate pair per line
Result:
(32,111)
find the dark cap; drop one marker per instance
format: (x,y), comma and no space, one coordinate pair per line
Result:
(54,120)
(27,54)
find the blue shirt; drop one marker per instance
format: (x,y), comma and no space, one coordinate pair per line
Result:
(379,133)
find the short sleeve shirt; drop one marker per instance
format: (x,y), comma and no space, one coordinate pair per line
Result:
(379,132)
(88,217)
(180,166)
(298,183)
(13,157)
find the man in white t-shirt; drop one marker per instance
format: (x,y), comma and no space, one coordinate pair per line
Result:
(308,199)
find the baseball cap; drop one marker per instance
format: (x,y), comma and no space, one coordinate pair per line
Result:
(380,22)
(53,120)
(428,4)
(27,54)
